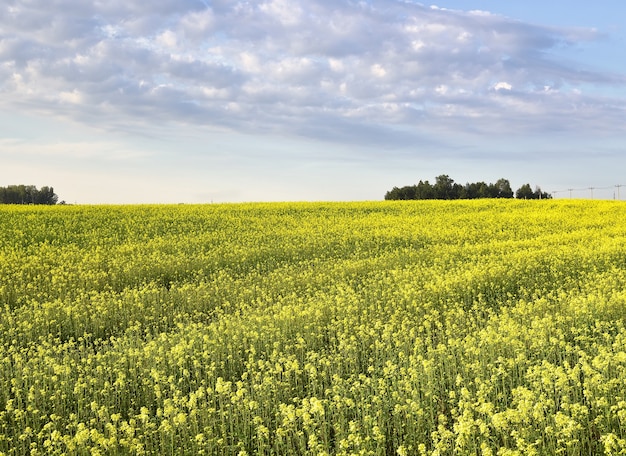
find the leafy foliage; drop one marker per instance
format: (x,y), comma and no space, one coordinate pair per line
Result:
(446,189)
(525,192)
(27,194)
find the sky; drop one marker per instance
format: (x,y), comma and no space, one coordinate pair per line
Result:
(199,101)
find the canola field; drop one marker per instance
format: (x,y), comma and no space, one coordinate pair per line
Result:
(491,327)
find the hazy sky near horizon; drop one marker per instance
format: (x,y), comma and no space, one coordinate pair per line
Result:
(287,100)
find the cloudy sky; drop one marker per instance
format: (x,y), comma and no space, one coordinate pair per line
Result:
(128,101)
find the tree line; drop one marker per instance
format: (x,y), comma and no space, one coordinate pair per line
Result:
(27,194)
(446,189)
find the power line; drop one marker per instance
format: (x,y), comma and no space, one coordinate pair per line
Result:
(591,190)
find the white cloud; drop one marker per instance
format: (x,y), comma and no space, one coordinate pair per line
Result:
(378,70)
(167,39)
(288,12)
(73,97)
(297,67)
(503,86)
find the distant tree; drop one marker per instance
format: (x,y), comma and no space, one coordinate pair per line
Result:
(526,192)
(27,194)
(457,191)
(476,190)
(46,195)
(17,194)
(503,189)
(485,190)
(492,191)
(392,194)
(444,187)
(403,193)
(541,195)
(424,190)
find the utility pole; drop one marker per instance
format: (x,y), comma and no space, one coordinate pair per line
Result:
(591,188)
(618,186)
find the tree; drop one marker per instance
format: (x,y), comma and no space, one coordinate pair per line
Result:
(476,190)
(27,194)
(503,189)
(46,196)
(541,195)
(446,188)
(404,193)
(526,192)
(443,187)
(424,190)
(17,194)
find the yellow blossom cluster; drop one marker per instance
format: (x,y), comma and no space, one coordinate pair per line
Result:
(493,327)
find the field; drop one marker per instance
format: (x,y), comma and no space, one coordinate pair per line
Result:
(387,328)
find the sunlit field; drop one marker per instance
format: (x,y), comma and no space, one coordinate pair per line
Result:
(387,328)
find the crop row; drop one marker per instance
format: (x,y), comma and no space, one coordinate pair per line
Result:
(467,327)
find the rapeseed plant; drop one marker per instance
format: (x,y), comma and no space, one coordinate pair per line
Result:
(465,327)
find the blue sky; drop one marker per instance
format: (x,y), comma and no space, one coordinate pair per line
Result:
(194,101)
